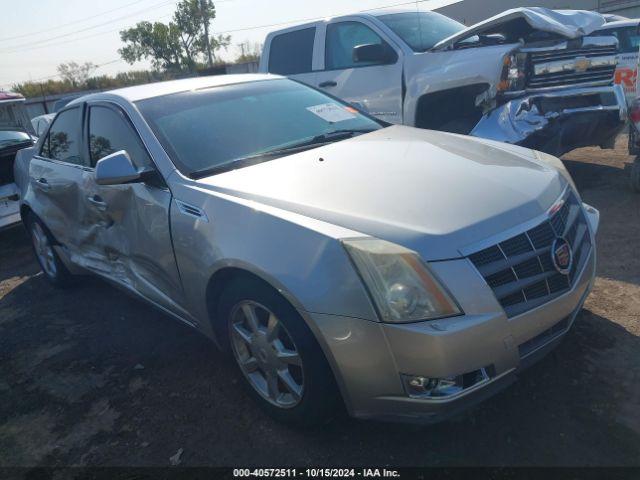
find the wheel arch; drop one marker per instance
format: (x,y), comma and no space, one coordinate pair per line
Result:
(435,110)
(223,275)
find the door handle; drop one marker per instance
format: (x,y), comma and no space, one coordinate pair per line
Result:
(42,184)
(96,201)
(328,83)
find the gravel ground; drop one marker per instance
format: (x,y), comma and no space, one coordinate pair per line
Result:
(92,377)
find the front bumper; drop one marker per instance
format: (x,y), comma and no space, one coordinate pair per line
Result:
(9,206)
(559,120)
(369,358)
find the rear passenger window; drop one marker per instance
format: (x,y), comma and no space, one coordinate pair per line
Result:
(63,141)
(292,53)
(110,132)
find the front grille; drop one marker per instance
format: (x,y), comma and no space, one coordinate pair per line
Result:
(520,270)
(545,337)
(603,67)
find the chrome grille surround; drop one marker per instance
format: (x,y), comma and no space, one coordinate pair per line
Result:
(591,64)
(520,269)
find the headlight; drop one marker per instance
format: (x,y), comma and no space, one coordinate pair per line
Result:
(401,285)
(513,76)
(557,163)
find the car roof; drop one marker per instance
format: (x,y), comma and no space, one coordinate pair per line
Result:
(621,23)
(10,97)
(158,89)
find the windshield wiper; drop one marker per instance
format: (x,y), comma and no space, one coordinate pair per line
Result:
(318,140)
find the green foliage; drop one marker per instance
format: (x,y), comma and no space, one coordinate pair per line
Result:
(179,45)
(249,52)
(156,41)
(75,73)
(102,82)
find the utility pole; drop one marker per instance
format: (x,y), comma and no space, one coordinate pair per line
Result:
(205,21)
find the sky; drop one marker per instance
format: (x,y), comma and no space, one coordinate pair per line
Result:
(37,35)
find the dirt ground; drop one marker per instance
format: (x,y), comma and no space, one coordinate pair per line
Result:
(92,377)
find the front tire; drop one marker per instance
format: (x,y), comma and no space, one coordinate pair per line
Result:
(283,366)
(53,268)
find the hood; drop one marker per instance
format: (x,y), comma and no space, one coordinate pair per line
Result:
(566,23)
(429,191)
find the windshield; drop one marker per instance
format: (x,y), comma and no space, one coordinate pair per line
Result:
(213,129)
(421,30)
(12,137)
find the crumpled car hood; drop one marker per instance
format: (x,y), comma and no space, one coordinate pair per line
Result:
(566,23)
(433,192)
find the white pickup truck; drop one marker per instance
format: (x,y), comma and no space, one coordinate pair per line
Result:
(529,76)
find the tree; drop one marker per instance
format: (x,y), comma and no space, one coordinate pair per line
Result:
(249,52)
(76,74)
(157,41)
(181,43)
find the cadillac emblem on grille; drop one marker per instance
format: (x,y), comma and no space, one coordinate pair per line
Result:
(562,256)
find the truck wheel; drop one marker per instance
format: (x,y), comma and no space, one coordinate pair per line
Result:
(52,267)
(283,366)
(635,175)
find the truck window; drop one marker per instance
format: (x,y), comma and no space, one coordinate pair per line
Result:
(342,38)
(291,53)
(421,30)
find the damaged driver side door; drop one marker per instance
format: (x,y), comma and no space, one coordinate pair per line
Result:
(129,223)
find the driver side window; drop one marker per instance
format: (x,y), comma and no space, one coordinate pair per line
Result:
(342,38)
(109,132)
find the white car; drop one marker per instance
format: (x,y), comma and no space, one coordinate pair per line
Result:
(15,134)
(628,35)
(41,122)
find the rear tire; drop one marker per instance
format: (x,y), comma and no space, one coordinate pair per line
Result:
(42,242)
(283,367)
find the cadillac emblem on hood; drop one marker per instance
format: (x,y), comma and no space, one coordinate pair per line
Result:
(562,256)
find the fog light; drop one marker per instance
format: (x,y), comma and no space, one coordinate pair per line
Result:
(421,385)
(442,388)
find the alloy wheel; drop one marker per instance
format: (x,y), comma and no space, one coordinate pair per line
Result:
(44,250)
(266,354)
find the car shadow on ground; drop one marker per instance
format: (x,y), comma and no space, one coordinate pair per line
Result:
(91,376)
(15,257)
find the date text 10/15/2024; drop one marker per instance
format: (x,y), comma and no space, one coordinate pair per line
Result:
(315,473)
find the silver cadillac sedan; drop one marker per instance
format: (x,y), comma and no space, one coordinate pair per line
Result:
(405,273)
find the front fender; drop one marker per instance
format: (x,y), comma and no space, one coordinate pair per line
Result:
(432,72)
(299,256)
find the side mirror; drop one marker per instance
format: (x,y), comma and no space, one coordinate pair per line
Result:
(372,53)
(116,169)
